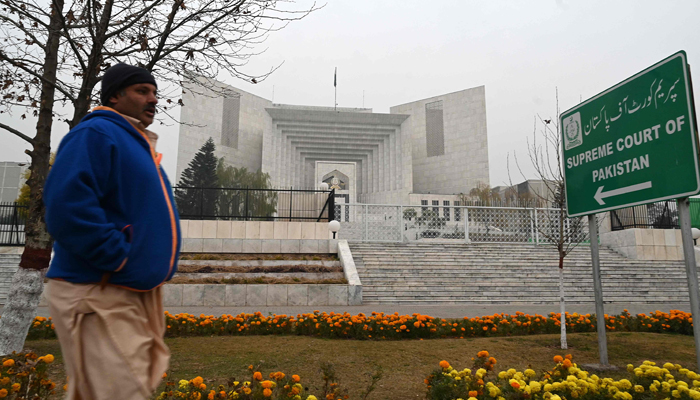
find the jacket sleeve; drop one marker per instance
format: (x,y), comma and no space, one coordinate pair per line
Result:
(78,181)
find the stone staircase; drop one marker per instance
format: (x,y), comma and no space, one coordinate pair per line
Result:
(8,266)
(436,273)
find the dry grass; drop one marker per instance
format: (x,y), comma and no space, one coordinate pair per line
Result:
(206,269)
(217,256)
(260,280)
(405,363)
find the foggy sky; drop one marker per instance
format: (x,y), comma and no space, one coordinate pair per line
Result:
(401,51)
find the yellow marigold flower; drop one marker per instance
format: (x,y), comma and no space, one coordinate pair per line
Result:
(630,367)
(311,397)
(472,398)
(48,358)
(669,366)
(503,374)
(267,392)
(555,397)
(639,388)
(8,363)
(694,394)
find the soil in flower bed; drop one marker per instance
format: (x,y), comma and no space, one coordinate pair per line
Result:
(218,256)
(206,269)
(260,280)
(405,363)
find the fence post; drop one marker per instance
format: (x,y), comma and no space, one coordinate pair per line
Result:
(246,203)
(366,235)
(331,205)
(290,201)
(537,229)
(14,224)
(466,225)
(401,224)
(201,204)
(532,225)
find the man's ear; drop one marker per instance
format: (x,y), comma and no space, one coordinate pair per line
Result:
(114,98)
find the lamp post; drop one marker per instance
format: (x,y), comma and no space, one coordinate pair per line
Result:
(323,186)
(696,235)
(334,227)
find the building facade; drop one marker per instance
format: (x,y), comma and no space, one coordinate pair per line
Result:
(436,145)
(11,180)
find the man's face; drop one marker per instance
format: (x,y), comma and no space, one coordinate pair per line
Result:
(138,101)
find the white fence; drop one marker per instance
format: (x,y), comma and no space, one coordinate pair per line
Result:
(393,223)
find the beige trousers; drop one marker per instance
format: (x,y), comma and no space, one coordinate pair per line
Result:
(111,339)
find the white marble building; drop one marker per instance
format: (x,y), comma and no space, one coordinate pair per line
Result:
(436,145)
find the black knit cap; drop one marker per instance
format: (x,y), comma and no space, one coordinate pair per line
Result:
(120,76)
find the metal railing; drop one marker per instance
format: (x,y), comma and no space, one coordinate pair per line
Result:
(12,219)
(246,204)
(392,223)
(661,215)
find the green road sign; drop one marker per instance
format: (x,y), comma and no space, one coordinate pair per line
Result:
(634,143)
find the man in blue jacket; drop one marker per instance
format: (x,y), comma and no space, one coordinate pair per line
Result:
(110,209)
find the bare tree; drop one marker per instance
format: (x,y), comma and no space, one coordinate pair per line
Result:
(51,54)
(558,231)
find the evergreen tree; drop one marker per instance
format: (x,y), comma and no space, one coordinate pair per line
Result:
(234,202)
(194,195)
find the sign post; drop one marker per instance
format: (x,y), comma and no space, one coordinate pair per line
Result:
(634,143)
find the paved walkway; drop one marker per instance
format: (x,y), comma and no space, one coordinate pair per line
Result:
(443,311)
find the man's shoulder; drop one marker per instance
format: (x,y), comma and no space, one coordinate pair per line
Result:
(101,122)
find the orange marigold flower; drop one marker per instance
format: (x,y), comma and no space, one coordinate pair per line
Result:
(3,393)
(486,328)
(567,363)
(558,359)
(257,376)
(568,356)
(250,367)
(296,378)
(444,364)
(165,375)
(266,384)
(8,363)
(480,382)
(483,353)
(267,392)
(211,395)
(492,360)
(515,385)
(203,387)
(15,387)
(473,393)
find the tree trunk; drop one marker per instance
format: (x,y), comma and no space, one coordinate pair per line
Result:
(82,104)
(562,303)
(28,282)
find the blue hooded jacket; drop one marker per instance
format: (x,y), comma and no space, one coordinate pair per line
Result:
(110,207)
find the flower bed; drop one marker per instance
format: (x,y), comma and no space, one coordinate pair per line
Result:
(564,381)
(25,376)
(394,326)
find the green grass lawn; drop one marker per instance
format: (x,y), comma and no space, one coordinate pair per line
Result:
(405,363)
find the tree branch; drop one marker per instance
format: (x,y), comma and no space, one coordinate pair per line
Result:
(18,133)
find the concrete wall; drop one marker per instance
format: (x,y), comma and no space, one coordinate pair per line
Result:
(646,244)
(465,160)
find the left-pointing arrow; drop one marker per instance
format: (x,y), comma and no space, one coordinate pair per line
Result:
(600,194)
